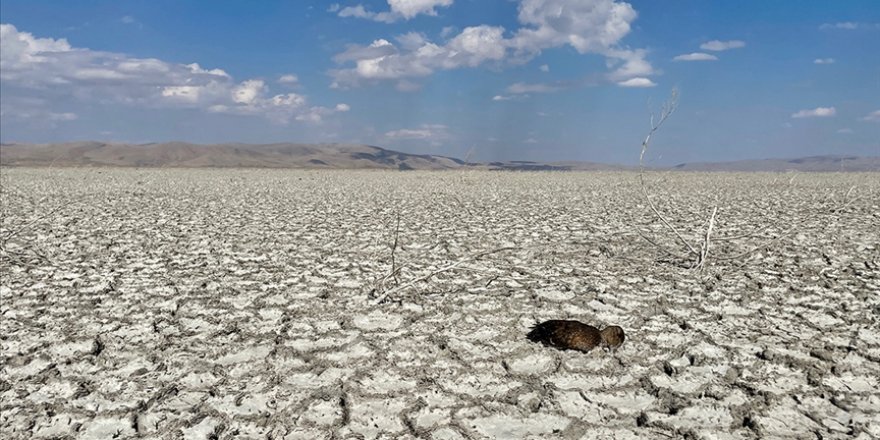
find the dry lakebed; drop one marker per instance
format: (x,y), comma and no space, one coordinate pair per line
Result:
(299,304)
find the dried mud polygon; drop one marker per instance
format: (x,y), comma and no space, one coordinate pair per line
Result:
(243,304)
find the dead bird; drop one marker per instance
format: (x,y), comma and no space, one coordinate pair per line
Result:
(574,335)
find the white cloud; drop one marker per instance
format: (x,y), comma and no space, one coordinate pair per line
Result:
(520,88)
(474,45)
(530,140)
(874,116)
(382,60)
(343,107)
(632,64)
(818,112)
(406,133)
(637,82)
(51,69)
(407,86)
(696,56)
(424,132)
(845,131)
(399,9)
(188,94)
(410,8)
(39,114)
(589,26)
(288,79)
(360,12)
(377,49)
(248,91)
(447,31)
(33,111)
(513,97)
(849,26)
(411,40)
(823,61)
(128,19)
(66,116)
(544,68)
(717,46)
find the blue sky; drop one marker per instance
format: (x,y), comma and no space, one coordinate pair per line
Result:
(505,80)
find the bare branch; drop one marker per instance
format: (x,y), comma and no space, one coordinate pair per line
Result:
(394,248)
(704,249)
(667,110)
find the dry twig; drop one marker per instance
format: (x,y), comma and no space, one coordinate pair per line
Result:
(384,296)
(702,254)
(667,110)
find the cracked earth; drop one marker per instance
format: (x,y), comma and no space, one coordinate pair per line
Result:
(275,305)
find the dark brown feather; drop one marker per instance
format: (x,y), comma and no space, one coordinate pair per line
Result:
(566,335)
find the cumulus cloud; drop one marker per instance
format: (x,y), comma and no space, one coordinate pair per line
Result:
(410,8)
(248,91)
(382,60)
(544,68)
(630,64)
(589,26)
(874,116)
(696,56)
(823,61)
(818,112)
(637,82)
(51,68)
(718,46)
(399,9)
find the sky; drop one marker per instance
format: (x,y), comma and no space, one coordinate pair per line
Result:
(544,80)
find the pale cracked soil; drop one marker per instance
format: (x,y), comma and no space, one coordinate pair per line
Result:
(244,304)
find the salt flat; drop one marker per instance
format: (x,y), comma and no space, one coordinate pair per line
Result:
(246,304)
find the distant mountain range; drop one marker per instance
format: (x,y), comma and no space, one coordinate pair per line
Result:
(806,164)
(348,156)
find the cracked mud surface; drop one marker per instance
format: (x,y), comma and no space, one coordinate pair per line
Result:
(243,304)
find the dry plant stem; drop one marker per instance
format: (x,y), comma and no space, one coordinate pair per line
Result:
(452,266)
(667,110)
(759,247)
(394,269)
(846,200)
(658,246)
(21,228)
(704,249)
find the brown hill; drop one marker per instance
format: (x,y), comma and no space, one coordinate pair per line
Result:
(349,156)
(179,154)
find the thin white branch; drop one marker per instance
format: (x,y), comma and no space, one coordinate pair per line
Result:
(381,298)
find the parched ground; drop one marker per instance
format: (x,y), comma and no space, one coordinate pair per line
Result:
(274,304)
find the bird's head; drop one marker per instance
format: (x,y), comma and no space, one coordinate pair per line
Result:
(612,336)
